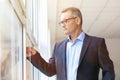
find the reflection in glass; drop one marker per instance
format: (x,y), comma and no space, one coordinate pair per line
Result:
(10,44)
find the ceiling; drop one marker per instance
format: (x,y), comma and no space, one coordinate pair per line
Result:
(100,17)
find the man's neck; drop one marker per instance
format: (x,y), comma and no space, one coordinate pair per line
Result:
(75,35)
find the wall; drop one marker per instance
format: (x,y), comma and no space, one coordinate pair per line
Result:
(113,46)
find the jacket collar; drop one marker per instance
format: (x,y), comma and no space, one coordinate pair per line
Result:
(84,48)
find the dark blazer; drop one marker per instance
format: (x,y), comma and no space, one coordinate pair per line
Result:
(94,55)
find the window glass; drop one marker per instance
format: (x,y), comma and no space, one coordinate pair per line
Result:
(38,35)
(10,44)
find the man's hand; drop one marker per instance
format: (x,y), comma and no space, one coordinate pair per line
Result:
(30,51)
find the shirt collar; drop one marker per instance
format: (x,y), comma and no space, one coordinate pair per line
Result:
(80,37)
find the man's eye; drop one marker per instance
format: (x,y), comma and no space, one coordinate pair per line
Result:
(65,21)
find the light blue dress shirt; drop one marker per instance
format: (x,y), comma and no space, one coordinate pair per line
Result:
(73,53)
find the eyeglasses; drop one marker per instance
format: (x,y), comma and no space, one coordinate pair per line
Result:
(65,21)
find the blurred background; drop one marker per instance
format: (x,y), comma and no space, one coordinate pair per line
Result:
(35,23)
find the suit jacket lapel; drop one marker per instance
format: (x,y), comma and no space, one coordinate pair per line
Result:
(64,58)
(84,48)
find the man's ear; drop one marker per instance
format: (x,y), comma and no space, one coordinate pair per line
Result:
(78,20)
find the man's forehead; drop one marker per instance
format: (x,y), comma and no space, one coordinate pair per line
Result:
(66,14)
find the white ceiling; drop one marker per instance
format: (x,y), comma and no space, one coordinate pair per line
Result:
(100,17)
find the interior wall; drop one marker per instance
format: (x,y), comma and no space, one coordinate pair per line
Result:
(113,46)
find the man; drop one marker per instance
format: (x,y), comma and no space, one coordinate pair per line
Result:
(79,57)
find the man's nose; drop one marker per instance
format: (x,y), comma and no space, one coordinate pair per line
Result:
(63,25)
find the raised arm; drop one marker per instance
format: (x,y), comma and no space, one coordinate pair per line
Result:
(34,57)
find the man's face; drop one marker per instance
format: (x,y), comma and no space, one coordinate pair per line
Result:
(69,23)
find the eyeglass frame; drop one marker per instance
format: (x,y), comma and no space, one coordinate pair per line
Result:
(66,20)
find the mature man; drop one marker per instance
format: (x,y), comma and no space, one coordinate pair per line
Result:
(79,57)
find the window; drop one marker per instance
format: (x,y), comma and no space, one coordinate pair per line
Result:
(10,43)
(38,34)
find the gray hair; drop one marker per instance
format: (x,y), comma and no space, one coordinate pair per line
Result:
(75,12)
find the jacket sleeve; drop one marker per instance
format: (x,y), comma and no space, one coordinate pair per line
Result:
(106,63)
(46,68)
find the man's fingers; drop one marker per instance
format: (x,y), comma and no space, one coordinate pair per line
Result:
(28,55)
(30,51)
(33,51)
